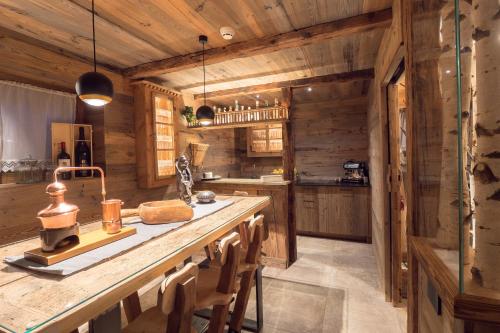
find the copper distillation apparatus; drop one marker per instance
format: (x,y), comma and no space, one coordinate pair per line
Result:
(59,225)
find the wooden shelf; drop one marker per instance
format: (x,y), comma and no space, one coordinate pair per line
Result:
(475,304)
(247,118)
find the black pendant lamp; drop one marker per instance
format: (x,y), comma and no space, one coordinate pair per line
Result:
(94,88)
(205,115)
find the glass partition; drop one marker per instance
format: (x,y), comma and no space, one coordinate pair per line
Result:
(478,84)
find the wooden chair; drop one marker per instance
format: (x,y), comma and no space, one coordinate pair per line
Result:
(249,261)
(216,286)
(175,307)
(248,265)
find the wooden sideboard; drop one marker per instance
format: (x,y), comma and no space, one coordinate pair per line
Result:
(333,211)
(275,248)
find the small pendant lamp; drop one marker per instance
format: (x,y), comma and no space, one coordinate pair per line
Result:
(92,87)
(204,114)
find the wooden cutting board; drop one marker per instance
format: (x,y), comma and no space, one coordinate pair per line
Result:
(89,241)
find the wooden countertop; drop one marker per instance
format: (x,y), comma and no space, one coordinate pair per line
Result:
(59,304)
(246,181)
(441,266)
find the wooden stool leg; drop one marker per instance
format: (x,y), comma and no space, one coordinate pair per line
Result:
(240,306)
(218,319)
(132,306)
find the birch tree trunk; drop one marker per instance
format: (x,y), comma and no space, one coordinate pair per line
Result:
(486,20)
(448,225)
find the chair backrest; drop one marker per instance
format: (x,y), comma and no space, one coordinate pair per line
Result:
(255,237)
(229,248)
(177,298)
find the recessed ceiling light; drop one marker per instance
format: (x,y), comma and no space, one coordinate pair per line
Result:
(227,33)
(309,89)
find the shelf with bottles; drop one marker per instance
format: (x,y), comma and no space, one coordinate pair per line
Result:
(245,118)
(77,139)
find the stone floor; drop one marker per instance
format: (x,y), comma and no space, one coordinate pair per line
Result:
(331,288)
(349,300)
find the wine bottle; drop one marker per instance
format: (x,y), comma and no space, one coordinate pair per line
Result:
(64,160)
(82,155)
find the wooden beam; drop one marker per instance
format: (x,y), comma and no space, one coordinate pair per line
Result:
(364,74)
(296,38)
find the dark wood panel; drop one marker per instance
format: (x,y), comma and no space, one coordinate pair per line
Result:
(341,212)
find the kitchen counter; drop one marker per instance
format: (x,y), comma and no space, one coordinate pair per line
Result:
(328,183)
(279,246)
(246,181)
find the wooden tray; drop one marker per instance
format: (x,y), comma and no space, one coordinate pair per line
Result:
(88,241)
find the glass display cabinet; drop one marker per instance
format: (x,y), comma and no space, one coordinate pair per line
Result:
(454,252)
(156,136)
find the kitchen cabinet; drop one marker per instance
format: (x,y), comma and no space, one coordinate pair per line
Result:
(333,211)
(275,248)
(156,135)
(265,141)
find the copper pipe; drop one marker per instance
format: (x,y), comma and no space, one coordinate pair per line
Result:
(103,186)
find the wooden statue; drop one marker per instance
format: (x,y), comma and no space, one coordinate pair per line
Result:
(184,179)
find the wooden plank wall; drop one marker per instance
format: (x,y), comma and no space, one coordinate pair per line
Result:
(330,126)
(114,140)
(377,137)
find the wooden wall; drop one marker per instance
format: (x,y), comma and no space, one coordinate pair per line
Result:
(387,59)
(330,127)
(114,141)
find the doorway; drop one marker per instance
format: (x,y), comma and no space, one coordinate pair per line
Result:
(398,184)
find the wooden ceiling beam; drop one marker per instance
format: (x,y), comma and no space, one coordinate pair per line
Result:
(364,74)
(292,39)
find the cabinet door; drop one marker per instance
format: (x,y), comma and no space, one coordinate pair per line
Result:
(360,216)
(343,211)
(306,209)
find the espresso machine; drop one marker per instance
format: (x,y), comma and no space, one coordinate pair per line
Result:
(356,172)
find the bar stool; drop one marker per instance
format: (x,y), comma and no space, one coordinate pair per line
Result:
(216,286)
(175,307)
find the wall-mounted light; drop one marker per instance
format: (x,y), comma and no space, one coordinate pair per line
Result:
(309,89)
(94,88)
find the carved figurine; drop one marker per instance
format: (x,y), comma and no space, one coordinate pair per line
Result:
(184,179)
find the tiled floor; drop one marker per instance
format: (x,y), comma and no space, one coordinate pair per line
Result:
(347,273)
(332,288)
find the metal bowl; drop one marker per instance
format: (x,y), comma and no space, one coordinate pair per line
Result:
(205,196)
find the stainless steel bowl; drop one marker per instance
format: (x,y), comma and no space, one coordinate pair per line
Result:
(205,196)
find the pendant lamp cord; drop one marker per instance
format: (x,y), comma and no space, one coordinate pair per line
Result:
(93,35)
(203,61)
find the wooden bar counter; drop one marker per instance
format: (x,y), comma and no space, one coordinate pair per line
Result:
(276,247)
(46,303)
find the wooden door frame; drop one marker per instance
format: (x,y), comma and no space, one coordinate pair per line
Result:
(393,111)
(398,58)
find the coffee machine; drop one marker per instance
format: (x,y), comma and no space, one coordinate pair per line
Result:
(356,172)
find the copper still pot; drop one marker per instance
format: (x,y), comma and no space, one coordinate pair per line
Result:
(59,214)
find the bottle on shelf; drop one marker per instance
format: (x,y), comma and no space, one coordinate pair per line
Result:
(82,155)
(63,159)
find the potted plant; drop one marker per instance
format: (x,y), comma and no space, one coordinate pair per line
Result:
(188,114)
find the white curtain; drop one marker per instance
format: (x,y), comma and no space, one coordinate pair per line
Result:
(26,113)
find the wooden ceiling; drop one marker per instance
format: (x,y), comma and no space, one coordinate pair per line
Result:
(134,32)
